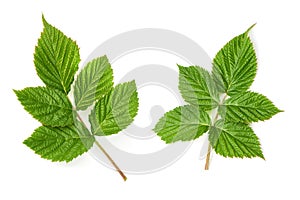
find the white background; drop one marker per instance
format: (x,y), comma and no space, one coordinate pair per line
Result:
(211,24)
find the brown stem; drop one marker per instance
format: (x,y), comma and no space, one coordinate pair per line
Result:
(105,153)
(207,157)
(111,160)
(209,145)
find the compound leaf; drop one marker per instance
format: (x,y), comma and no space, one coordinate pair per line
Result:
(115,110)
(60,143)
(235,65)
(94,81)
(56,58)
(49,106)
(231,139)
(183,123)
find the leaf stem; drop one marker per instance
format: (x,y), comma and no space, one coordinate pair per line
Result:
(111,160)
(207,157)
(105,153)
(209,145)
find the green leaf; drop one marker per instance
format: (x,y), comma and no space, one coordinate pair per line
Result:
(235,65)
(56,58)
(183,123)
(115,111)
(231,139)
(94,81)
(60,143)
(49,106)
(248,107)
(197,87)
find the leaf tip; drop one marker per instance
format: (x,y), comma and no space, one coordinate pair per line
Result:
(279,111)
(44,19)
(105,57)
(15,91)
(155,129)
(179,66)
(262,156)
(26,142)
(132,82)
(249,29)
